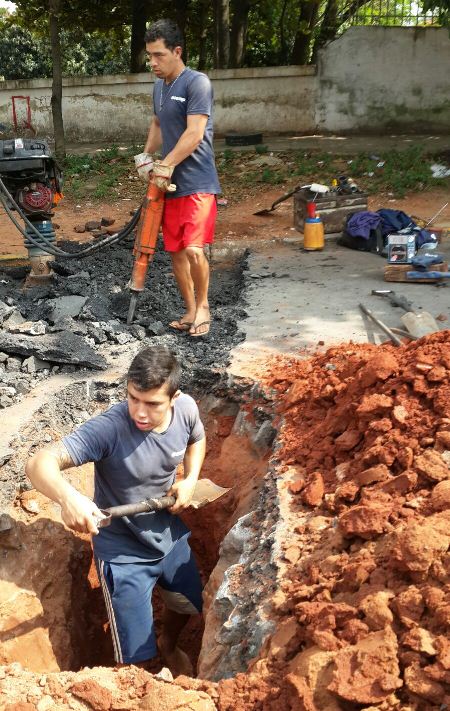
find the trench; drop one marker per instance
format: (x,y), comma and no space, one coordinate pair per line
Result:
(52,611)
(54,616)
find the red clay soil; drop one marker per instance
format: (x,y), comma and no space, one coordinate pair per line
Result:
(366,602)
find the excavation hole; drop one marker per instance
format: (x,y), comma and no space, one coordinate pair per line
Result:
(53,611)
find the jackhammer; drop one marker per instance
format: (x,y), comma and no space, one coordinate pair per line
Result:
(145,242)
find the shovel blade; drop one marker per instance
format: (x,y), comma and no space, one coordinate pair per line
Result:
(206,492)
(419,324)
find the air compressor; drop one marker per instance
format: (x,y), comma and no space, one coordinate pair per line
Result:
(30,175)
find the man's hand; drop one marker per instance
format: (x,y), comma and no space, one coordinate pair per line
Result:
(162,175)
(80,514)
(183,490)
(144,165)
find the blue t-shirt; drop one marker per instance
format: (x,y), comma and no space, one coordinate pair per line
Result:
(190,93)
(130,466)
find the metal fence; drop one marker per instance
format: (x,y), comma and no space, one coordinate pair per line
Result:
(393,13)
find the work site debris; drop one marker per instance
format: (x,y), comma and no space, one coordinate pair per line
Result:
(64,347)
(89,299)
(103,689)
(370,592)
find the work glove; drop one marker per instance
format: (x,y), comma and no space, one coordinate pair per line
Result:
(161,176)
(144,165)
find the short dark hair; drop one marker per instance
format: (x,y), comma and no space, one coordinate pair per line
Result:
(153,367)
(166,30)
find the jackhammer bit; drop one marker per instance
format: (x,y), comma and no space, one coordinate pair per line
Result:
(145,242)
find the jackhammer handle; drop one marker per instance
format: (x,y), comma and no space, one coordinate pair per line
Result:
(148,505)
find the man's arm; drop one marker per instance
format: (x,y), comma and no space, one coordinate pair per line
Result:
(188,141)
(154,138)
(192,463)
(44,471)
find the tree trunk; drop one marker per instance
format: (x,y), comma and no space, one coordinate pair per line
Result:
(284,50)
(138,26)
(56,100)
(222,33)
(239,27)
(328,27)
(181,16)
(203,35)
(308,16)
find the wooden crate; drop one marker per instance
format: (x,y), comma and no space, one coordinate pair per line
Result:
(333,208)
(397,272)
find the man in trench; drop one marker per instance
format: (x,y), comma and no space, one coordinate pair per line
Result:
(136,446)
(182,126)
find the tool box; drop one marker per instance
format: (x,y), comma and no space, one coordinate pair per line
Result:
(332,207)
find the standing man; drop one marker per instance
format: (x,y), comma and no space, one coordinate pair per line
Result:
(136,446)
(182,124)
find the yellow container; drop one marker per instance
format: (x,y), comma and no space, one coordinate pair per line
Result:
(313,234)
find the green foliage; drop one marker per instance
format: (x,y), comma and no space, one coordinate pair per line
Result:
(22,55)
(106,174)
(226,159)
(98,176)
(93,54)
(394,172)
(26,55)
(271,176)
(261,148)
(96,33)
(442,7)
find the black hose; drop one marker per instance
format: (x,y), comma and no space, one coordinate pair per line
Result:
(49,248)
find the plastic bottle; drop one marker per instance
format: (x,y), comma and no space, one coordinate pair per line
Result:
(313,234)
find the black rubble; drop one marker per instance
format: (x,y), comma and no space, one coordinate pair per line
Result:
(101,281)
(62,347)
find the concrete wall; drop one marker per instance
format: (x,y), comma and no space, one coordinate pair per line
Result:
(369,79)
(375,78)
(272,99)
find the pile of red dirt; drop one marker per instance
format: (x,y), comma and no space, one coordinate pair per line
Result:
(366,602)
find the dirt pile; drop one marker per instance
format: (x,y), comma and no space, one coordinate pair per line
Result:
(102,689)
(366,598)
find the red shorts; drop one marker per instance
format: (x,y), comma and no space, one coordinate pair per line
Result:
(189,221)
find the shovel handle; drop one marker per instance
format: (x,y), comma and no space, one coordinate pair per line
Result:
(381,325)
(143,506)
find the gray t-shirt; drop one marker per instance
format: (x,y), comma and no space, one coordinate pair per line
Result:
(130,466)
(190,93)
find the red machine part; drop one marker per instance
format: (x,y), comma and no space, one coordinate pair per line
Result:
(147,235)
(36,198)
(145,242)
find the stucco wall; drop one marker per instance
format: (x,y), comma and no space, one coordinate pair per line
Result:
(374,78)
(272,99)
(369,79)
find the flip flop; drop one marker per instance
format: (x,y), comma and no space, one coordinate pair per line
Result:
(180,325)
(197,326)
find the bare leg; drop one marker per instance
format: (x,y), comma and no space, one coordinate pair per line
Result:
(199,270)
(182,271)
(177,660)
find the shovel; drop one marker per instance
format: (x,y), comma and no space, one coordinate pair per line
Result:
(395,340)
(205,492)
(418,324)
(278,201)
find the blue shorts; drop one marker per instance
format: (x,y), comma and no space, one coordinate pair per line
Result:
(128,588)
